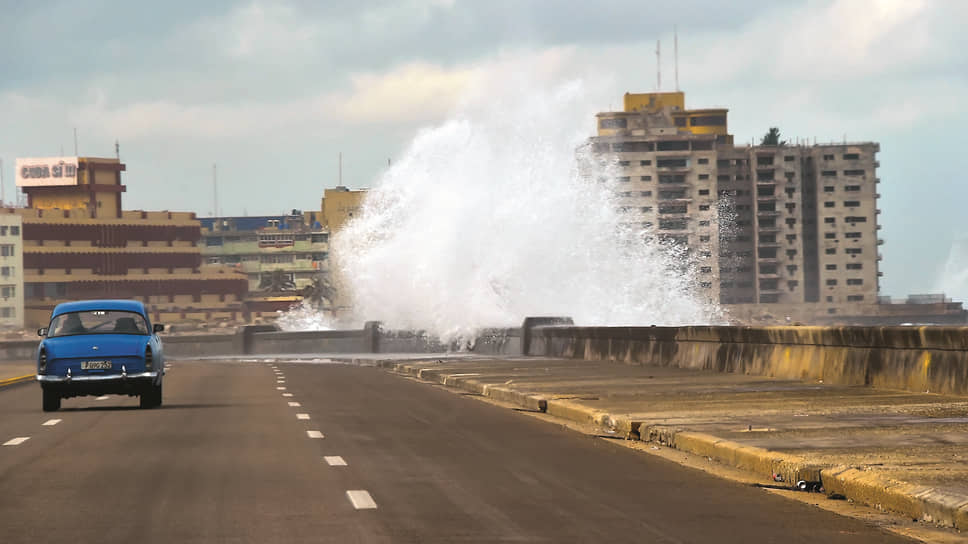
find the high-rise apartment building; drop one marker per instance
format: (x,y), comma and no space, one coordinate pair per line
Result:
(11,272)
(790,230)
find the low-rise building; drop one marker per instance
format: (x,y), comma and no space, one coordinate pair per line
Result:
(11,273)
(78,243)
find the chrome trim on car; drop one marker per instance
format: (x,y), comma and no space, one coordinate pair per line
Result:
(94,378)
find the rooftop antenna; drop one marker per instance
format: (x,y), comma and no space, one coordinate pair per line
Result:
(658,65)
(214,191)
(117,149)
(675,49)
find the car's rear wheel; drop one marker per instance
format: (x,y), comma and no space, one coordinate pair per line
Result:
(52,401)
(151,397)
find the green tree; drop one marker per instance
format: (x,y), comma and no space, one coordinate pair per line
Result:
(772,137)
(320,292)
(277,281)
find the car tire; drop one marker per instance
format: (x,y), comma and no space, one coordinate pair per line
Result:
(151,397)
(52,401)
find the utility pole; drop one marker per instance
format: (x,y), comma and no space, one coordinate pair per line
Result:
(214,191)
(658,65)
(117,149)
(675,49)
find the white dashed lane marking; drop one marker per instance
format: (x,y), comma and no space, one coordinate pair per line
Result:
(314,434)
(335,461)
(16,441)
(302,416)
(281,388)
(361,499)
(103,397)
(287,394)
(50,422)
(294,404)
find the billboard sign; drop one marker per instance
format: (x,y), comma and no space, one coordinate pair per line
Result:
(46,171)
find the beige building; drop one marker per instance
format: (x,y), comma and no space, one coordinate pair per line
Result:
(775,231)
(11,272)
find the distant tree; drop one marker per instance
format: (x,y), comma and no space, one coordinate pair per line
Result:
(772,137)
(277,281)
(320,292)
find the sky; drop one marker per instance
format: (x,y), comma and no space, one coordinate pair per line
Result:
(273,91)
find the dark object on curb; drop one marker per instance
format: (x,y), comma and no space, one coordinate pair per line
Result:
(777,477)
(804,485)
(836,497)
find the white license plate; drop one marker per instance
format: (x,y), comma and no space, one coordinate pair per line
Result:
(96,365)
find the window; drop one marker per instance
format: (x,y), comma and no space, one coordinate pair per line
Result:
(646,193)
(791,237)
(706,269)
(829,173)
(828,189)
(830,235)
(703,207)
(613,123)
(852,188)
(851,203)
(830,220)
(828,157)
(855,266)
(3,230)
(792,284)
(645,178)
(15,231)
(673,145)
(319,238)
(277,258)
(703,176)
(704,238)
(831,282)
(680,121)
(671,163)
(855,219)
(646,209)
(789,158)
(853,251)
(767,269)
(852,235)
(645,163)
(768,238)
(703,192)
(768,222)
(5,271)
(624,179)
(623,163)
(830,299)
(767,252)
(831,251)
(667,207)
(792,268)
(831,267)
(8,291)
(855,281)
(672,178)
(213,241)
(672,194)
(704,223)
(854,172)
(790,221)
(672,224)
(829,204)
(708,121)
(851,156)
(699,145)
(831,310)
(855,298)
(791,253)
(722,177)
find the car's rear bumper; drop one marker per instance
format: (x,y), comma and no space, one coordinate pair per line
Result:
(111,384)
(103,378)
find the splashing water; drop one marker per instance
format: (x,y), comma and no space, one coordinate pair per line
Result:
(493,216)
(304,317)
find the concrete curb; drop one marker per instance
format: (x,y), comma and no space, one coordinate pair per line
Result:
(864,487)
(15,380)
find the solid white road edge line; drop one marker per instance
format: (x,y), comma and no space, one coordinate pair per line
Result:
(50,422)
(335,461)
(361,499)
(314,434)
(16,441)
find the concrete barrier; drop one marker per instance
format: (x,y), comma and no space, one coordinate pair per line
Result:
(918,359)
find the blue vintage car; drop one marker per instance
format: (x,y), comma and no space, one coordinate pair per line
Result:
(100,347)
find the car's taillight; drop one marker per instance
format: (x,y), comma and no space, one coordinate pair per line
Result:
(149,358)
(42,362)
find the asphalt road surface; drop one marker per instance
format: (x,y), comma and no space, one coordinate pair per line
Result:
(244,452)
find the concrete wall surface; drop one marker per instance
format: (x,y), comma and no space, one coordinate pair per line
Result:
(933,359)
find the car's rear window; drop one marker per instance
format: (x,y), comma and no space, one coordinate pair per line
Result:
(97,322)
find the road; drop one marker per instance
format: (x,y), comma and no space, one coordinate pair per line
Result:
(232,457)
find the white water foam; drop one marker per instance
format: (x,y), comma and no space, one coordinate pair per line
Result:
(493,216)
(304,317)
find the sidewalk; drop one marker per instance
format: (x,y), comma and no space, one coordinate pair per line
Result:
(894,450)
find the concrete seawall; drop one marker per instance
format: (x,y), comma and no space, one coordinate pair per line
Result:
(917,359)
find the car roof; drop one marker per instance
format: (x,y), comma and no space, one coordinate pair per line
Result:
(86,305)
